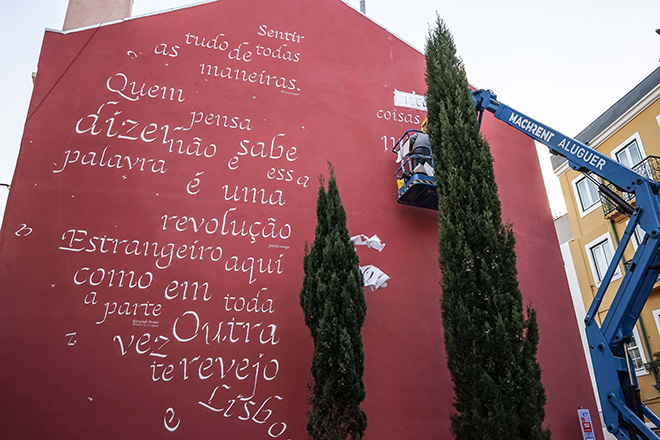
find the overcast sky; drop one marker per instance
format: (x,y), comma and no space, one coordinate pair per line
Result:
(563,62)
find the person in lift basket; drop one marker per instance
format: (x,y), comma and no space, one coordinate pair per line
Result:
(420,154)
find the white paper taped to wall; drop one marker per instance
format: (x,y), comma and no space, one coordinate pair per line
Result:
(374,278)
(372,242)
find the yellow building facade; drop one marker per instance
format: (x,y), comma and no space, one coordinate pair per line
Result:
(628,132)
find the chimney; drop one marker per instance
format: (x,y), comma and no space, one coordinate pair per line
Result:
(82,13)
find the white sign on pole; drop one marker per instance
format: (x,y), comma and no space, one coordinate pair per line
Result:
(585,425)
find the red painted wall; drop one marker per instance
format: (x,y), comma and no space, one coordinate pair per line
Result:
(145,156)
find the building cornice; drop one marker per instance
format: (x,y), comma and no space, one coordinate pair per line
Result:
(625,118)
(561,169)
(617,116)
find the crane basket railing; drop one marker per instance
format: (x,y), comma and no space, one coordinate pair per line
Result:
(649,168)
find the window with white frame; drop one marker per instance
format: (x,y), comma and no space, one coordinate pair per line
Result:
(629,155)
(587,195)
(600,253)
(630,152)
(636,353)
(638,236)
(656,318)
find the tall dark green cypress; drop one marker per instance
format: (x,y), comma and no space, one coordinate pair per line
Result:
(332,299)
(491,347)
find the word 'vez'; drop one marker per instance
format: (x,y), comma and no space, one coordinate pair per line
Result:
(144,345)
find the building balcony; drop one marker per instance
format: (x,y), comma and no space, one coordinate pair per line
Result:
(649,168)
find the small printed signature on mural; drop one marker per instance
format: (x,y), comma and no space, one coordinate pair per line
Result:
(144,323)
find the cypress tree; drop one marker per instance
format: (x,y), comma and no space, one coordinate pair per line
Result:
(332,299)
(490,346)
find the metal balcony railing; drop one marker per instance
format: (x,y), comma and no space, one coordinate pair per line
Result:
(649,168)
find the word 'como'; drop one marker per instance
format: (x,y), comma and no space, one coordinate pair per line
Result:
(112,278)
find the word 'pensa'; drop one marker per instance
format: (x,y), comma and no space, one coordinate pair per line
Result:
(259,149)
(109,121)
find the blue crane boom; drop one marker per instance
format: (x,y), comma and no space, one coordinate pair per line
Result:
(623,411)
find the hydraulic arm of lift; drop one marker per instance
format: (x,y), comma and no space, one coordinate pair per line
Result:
(623,410)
